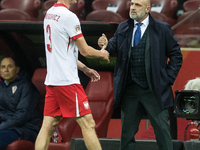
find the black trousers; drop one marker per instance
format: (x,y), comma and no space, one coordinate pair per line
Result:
(7,137)
(136,101)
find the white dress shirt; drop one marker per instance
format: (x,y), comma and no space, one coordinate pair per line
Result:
(143,27)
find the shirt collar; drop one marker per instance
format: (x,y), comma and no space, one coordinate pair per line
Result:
(5,82)
(145,22)
(59,4)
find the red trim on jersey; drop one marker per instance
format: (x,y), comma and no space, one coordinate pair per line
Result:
(68,44)
(77,36)
(59,5)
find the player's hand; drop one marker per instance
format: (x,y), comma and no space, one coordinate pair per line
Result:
(93,74)
(103,41)
(105,54)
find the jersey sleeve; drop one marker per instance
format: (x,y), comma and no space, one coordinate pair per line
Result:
(73,27)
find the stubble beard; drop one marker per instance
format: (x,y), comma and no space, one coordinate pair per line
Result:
(137,16)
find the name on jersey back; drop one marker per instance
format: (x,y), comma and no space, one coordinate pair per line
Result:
(52,17)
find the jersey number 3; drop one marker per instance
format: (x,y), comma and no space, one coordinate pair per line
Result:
(48,31)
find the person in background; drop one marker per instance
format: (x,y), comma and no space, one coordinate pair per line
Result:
(65,96)
(20,117)
(148,62)
(193,84)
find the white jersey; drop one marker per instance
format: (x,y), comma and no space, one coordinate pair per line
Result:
(61,27)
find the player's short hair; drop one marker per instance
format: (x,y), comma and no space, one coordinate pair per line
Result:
(14,58)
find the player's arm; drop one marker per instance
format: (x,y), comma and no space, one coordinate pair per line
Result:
(88,51)
(94,75)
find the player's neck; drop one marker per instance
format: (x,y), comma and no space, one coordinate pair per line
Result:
(65,2)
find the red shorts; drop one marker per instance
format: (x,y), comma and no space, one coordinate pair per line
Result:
(66,101)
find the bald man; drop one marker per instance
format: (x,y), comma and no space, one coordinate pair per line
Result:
(20,117)
(143,76)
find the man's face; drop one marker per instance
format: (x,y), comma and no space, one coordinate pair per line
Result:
(139,10)
(8,70)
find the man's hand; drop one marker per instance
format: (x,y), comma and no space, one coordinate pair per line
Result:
(105,54)
(94,75)
(103,41)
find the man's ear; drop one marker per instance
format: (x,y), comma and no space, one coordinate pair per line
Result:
(17,69)
(148,9)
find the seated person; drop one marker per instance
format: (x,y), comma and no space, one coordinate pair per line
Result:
(20,117)
(193,84)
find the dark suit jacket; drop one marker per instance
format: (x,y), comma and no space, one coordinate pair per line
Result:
(161,73)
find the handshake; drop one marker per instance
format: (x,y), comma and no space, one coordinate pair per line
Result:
(103,42)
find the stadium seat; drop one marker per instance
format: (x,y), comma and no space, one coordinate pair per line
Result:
(46,5)
(103,4)
(78,8)
(49,3)
(170,8)
(38,80)
(101,99)
(123,8)
(13,14)
(156,2)
(31,7)
(159,16)
(166,7)
(191,5)
(104,16)
(162,17)
(20,145)
(194,19)
(188,32)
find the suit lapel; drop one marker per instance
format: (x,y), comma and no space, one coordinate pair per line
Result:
(129,34)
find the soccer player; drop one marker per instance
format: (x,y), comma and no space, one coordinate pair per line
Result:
(65,96)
